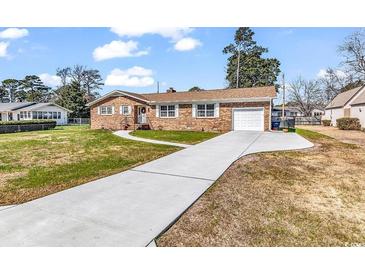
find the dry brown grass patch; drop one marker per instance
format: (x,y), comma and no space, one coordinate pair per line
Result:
(314,197)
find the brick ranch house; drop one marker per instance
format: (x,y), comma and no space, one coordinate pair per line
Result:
(208,110)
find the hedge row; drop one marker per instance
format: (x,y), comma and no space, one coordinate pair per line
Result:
(348,123)
(27,122)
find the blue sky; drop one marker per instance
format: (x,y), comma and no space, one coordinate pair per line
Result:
(135,59)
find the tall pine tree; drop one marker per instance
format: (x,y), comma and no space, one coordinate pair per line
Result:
(254,69)
(12,91)
(35,90)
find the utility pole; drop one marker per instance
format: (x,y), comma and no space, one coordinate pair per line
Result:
(158,87)
(238,66)
(283,108)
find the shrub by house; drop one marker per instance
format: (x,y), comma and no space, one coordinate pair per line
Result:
(348,123)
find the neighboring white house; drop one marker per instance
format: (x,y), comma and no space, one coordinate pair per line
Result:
(350,103)
(31,111)
(294,112)
(317,112)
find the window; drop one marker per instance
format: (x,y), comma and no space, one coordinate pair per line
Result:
(106,110)
(205,110)
(125,110)
(167,111)
(58,115)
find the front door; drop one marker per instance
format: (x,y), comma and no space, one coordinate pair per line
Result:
(142,119)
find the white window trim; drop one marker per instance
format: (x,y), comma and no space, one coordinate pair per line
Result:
(129,110)
(106,114)
(216,111)
(176,109)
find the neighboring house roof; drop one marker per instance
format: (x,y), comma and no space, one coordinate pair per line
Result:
(279,108)
(360,100)
(39,105)
(228,95)
(343,98)
(14,106)
(26,106)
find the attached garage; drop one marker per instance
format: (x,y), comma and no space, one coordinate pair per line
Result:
(248,119)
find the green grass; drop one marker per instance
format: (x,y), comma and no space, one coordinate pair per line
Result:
(184,137)
(37,163)
(311,134)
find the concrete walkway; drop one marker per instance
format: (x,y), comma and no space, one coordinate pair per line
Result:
(125,134)
(133,207)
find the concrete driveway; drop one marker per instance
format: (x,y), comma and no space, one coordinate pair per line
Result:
(131,208)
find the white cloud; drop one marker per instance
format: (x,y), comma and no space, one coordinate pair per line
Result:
(132,77)
(172,33)
(177,36)
(50,80)
(13,33)
(186,44)
(118,49)
(323,73)
(4,49)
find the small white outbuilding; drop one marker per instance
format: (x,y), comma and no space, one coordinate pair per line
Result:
(350,103)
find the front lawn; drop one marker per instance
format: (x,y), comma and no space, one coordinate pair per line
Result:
(183,137)
(37,163)
(312,197)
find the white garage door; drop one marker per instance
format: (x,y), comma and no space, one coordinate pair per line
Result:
(248,119)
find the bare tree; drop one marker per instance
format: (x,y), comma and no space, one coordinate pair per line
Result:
(332,83)
(305,94)
(353,51)
(64,74)
(77,74)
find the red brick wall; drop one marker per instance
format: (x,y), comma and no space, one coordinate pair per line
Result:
(185,121)
(117,120)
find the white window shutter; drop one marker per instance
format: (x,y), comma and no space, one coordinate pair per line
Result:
(176,110)
(129,110)
(194,110)
(98,110)
(121,109)
(112,109)
(216,110)
(157,111)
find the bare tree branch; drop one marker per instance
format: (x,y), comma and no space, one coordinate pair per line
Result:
(306,95)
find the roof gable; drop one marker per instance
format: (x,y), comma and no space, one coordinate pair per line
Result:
(360,99)
(343,98)
(132,95)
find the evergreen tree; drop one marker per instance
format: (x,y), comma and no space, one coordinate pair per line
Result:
(72,97)
(3,95)
(254,69)
(195,88)
(35,90)
(11,87)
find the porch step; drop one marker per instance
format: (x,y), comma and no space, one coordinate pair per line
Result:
(143,127)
